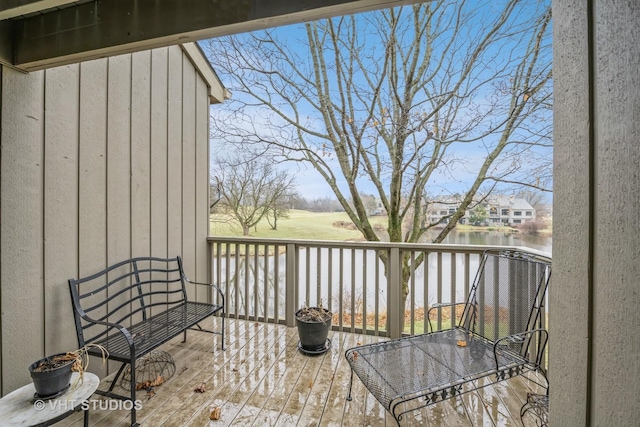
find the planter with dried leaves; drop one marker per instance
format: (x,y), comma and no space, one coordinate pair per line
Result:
(51,375)
(313,329)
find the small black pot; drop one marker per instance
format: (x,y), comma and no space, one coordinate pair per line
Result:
(51,381)
(313,335)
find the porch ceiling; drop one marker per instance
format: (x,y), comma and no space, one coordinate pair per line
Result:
(37,34)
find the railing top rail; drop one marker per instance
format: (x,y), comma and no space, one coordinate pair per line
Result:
(431,247)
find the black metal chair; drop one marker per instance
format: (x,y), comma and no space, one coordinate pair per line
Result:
(499,335)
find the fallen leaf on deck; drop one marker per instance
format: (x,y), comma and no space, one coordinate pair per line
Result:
(215,414)
(200,389)
(462,343)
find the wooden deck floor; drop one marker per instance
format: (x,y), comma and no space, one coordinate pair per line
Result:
(262,379)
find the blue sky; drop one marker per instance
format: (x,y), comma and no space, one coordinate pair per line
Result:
(455,179)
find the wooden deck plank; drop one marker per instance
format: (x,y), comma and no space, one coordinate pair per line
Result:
(263,389)
(216,374)
(233,396)
(263,379)
(295,364)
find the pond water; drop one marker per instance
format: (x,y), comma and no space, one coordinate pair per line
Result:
(496,238)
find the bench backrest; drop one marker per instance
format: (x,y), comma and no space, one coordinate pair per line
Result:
(508,297)
(126,293)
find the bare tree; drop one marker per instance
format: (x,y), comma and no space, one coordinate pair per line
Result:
(399,98)
(281,205)
(250,188)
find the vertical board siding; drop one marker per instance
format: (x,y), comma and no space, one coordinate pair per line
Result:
(92,200)
(21,228)
(158,131)
(200,273)
(141,154)
(61,150)
(101,161)
(174,152)
(188,170)
(118,209)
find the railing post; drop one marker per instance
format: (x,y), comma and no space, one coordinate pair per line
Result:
(290,285)
(395,312)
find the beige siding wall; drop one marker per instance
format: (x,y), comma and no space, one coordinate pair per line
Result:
(594,353)
(100,161)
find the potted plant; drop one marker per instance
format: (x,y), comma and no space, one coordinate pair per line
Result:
(51,375)
(313,328)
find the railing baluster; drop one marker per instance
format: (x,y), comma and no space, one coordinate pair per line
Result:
(340,291)
(265,295)
(307,276)
(330,281)
(365,255)
(425,290)
(353,290)
(394,309)
(412,293)
(376,314)
(276,284)
(291,300)
(319,276)
(452,313)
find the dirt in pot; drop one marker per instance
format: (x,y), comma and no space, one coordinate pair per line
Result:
(313,314)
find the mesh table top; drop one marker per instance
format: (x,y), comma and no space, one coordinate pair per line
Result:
(402,369)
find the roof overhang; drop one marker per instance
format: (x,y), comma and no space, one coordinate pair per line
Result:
(49,33)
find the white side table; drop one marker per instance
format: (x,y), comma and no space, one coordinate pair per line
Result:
(19,408)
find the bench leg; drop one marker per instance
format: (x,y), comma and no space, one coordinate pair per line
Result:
(350,385)
(133,391)
(184,338)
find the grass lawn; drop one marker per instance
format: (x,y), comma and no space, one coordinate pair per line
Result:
(299,225)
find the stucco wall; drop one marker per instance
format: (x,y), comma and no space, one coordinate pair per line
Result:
(594,300)
(100,161)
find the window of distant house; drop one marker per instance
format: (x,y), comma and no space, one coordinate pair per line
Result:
(443,212)
(517,213)
(528,213)
(452,211)
(516,221)
(493,211)
(505,211)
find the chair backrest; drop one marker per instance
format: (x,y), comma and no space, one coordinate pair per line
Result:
(125,293)
(508,297)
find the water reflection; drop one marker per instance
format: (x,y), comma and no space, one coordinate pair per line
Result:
(495,238)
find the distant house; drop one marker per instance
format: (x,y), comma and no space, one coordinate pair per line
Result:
(507,210)
(440,211)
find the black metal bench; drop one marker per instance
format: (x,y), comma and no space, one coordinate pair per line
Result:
(499,335)
(134,306)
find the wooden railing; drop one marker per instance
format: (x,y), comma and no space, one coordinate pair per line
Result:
(267,280)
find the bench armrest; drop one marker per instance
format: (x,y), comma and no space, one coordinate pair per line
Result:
(520,339)
(216,287)
(124,331)
(441,305)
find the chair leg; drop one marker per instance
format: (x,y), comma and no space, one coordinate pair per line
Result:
(184,337)
(223,348)
(350,385)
